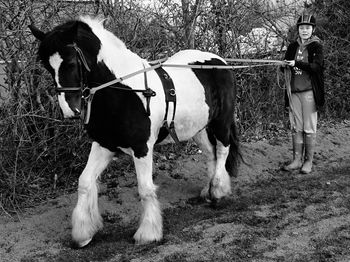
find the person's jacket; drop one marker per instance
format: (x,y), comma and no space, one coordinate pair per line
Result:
(314,66)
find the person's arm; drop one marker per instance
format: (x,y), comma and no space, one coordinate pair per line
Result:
(286,55)
(317,63)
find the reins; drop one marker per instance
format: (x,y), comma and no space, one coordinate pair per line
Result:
(160,63)
(93,90)
(88,93)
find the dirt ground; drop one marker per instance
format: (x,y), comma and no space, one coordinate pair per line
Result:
(271,216)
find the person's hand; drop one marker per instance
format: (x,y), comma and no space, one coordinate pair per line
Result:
(290,62)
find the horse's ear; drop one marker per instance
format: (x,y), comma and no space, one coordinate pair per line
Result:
(37,32)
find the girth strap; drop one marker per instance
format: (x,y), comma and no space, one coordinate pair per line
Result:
(170,97)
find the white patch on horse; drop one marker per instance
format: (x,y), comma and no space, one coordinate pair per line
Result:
(86,218)
(192,112)
(116,56)
(191,56)
(151,225)
(221,182)
(55,62)
(66,110)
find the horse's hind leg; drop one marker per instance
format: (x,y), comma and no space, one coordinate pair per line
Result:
(86,218)
(151,227)
(220,184)
(208,149)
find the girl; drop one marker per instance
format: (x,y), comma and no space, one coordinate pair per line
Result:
(305,91)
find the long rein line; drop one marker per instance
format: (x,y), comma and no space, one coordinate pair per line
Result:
(120,79)
(160,63)
(149,92)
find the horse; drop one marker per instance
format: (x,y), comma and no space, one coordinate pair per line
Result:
(134,113)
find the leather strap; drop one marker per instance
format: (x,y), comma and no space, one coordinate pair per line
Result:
(170,97)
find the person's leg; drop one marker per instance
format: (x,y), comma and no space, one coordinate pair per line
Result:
(310,127)
(296,120)
(297,141)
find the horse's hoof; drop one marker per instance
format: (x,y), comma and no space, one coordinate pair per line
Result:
(82,243)
(147,237)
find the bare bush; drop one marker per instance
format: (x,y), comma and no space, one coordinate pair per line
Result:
(40,153)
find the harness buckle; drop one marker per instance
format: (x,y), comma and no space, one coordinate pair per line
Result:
(86,93)
(172,92)
(148,92)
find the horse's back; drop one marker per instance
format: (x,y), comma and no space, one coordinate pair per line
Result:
(207,85)
(190,56)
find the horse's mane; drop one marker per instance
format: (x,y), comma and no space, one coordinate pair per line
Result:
(63,35)
(114,53)
(105,36)
(96,41)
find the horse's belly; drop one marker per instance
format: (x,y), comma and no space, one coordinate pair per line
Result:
(189,124)
(192,110)
(191,116)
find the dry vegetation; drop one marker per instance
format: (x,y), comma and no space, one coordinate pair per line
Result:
(40,154)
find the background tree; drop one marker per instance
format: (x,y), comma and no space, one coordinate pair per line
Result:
(34,157)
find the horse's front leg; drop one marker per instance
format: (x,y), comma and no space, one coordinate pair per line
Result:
(151,226)
(86,218)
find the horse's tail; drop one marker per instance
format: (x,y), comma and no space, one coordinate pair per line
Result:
(234,156)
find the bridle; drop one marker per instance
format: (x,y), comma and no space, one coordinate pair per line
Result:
(82,73)
(84,69)
(87,92)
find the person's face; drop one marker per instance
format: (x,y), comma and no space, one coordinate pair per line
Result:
(305,31)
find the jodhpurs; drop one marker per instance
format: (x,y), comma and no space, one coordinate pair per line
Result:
(302,112)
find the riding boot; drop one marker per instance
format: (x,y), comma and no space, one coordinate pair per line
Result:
(310,141)
(297,139)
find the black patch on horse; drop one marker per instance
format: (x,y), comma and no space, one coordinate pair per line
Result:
(118,117)
(68,33)
(220,97)
(220,94)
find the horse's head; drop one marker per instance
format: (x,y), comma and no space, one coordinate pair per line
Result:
(69,52)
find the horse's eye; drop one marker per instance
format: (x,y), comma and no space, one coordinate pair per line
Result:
(70,65)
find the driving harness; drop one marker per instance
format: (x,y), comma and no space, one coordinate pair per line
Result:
(88,93)
(170,97)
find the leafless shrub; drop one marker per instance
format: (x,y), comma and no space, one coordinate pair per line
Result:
(35,160)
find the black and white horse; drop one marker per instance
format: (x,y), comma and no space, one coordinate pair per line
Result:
(82,54)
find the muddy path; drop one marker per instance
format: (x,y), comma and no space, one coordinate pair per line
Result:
(271,216)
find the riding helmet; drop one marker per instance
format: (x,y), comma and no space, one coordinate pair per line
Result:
(305,19)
